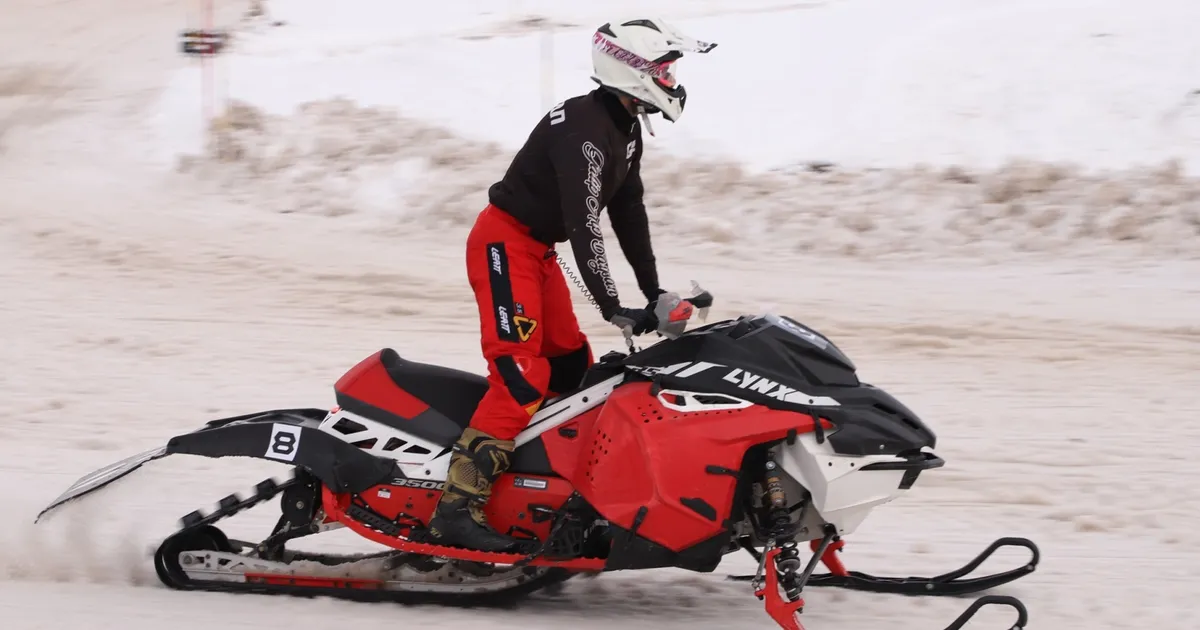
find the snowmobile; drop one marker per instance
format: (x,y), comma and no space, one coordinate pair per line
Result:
(751,434)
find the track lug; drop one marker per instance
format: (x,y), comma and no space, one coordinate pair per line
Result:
(192,519)
(229,502)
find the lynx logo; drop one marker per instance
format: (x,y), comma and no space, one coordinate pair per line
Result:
(740,378)
(756,383)
(778,391)
(423,484)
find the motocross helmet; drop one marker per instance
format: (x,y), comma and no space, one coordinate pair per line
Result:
(637,58)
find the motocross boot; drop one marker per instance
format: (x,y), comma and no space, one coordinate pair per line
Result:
(459,520)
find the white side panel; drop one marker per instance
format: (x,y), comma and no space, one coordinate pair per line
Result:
(421,459)
(842,492)
(417,458)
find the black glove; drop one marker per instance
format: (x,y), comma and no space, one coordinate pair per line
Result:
(652,298)
(639,320)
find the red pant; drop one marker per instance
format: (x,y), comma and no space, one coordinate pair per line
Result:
(530,336)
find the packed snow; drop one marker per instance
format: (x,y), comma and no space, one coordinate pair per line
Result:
(993,208)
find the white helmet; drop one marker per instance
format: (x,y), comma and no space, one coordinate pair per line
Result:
(635,58)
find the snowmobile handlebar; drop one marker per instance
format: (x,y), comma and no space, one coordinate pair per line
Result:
(702,300)
(674,312)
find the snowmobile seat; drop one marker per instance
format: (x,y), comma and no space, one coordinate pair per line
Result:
(453,393)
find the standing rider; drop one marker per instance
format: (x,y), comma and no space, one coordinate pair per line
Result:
(584,154)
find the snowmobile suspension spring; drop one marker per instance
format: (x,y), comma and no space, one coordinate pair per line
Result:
(787,564)
(774,496)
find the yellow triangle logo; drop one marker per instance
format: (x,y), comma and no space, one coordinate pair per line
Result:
(525,326)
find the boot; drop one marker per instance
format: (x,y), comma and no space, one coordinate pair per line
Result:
(459,520)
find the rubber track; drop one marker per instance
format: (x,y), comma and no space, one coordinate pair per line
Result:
(166,564)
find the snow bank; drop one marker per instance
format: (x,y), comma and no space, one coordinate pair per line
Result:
(337,158)
(1107,84)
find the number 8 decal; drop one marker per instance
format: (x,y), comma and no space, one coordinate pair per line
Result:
(285,441)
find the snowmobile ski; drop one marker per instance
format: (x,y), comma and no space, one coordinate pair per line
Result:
(948,584)
(783,609)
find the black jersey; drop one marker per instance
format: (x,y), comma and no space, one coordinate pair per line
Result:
(585,154)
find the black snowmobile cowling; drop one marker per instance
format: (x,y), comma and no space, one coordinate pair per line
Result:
(782,364)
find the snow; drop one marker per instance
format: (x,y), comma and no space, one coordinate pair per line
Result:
(860,83)
(1041,316)
(983,130)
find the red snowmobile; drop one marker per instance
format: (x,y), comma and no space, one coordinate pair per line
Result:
(749,434)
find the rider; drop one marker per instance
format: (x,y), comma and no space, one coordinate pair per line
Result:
(583,155)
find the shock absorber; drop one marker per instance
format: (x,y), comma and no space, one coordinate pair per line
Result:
(775,500)
(775,497)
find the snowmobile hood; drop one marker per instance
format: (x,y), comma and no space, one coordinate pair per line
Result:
(780,363)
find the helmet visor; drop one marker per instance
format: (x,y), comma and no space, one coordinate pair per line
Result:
(664,75)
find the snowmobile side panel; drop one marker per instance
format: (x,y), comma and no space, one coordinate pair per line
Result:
(845,490)
(98,479)
(645,450)
(291,438)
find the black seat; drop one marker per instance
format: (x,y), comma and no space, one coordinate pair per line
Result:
(453,393)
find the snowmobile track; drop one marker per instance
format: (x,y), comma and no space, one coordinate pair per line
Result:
(198,534)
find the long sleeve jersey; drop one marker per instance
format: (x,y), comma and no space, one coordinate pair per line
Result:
(584,155)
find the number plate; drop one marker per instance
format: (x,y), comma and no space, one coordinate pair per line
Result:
(285,442)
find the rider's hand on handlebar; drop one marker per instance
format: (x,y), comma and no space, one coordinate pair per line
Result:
(639,320)
(652,298)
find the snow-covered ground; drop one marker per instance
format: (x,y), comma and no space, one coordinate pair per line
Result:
(980,128)
(1044,317)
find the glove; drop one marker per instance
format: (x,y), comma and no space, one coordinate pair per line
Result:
(652,298)
(639,320)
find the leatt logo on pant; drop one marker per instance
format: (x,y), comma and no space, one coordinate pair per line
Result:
(502,318)
(502,291)
(495,253)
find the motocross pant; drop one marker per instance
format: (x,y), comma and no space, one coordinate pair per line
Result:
(529,333)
